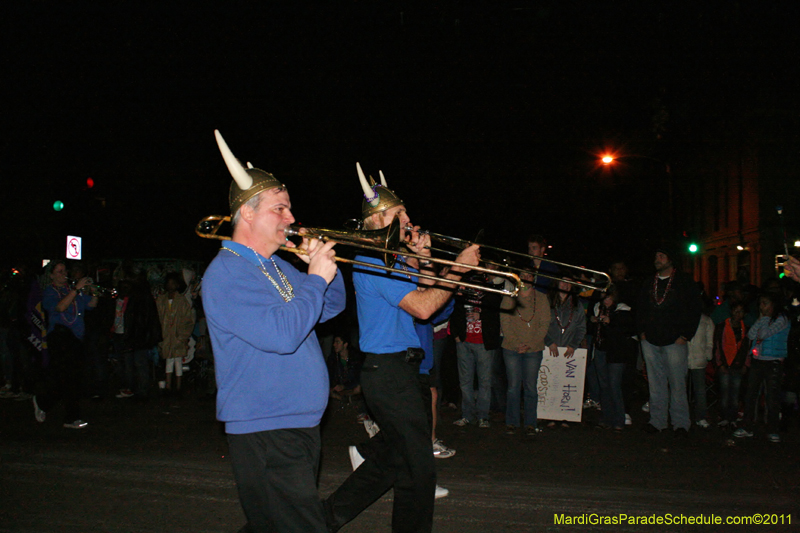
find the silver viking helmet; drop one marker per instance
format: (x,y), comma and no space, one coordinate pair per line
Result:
(247,182)
(377,198)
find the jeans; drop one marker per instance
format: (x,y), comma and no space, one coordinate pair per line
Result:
(612,401)
(667,367)
(730,383)
(770,373)
(596,375)
(523,372)
(471,358)
(698,376)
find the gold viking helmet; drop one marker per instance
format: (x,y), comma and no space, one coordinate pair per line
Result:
(377,198)
(247,182)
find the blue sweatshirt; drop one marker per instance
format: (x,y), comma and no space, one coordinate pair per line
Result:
(270,371)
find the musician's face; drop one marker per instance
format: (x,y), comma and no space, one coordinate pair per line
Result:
(59,274)
(399,211)
(274,213)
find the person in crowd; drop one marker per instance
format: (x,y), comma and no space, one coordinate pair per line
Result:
(524,322)
(141,332)
(475,326)
(271,374)
(667,311)
(769,345)
(613,329)
(537,248)
(65,306)
(387,305)
(701,349)
(344,370)
(732,359)
(734,294)
(177,324)
(567,323)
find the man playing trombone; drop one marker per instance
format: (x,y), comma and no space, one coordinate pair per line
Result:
(271,375)
(402,458)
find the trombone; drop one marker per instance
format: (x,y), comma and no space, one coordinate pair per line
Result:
(603,283)
(384,241)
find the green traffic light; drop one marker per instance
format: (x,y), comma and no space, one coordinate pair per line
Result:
(693,248)
(58,205)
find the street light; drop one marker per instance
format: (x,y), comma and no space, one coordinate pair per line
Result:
(607,159)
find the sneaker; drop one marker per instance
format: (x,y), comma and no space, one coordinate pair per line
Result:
(742,433)
(38,413)
(441,492)
(483,423)
(774,437)
(511,430)
(532,431)
(461,422)
(722,423)
(125,393)
(588,403)
(646,407)
(703,423)
(440,451)
(77,424)
(361,417)
(628,420)
(355,458)
(371,427)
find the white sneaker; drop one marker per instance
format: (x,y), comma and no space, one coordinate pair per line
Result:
(441,492)
(461,422)
(646,407)
(355,458)
(703,423)
(483,423)
(722,423)
(440,451)
(38,413)
(628,420)
(77,424)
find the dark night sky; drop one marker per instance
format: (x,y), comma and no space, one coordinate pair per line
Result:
(492,121)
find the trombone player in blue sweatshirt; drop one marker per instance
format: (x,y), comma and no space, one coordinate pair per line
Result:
(271,374)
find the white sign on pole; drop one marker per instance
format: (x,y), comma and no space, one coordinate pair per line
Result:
(560,386)
(73,247)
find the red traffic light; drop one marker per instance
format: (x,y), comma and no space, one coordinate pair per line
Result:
(89,183)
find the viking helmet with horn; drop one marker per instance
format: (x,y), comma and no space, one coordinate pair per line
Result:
(247,182)
(377,198)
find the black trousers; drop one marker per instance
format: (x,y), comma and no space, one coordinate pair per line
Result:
(276,476)
(401,456)
(62,378)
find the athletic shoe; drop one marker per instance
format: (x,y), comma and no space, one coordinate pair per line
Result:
(774,437)
(440,451)
(532,431)
(483,423)
(461,422)
(77,424)
(125,393)
(355,458)
(38,413)
(511,430)
(441,492)
(742,433)
(646,407)
(703,423)
(371,427)
(628,420)
(722,423)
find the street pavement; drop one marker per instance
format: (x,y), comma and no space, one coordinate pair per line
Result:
(162,466)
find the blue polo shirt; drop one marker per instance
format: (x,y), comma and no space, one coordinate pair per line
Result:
(384,327)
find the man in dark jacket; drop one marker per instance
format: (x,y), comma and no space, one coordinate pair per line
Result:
(668,311)
(475,325)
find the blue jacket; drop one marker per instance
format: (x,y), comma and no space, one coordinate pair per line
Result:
(770,338)
(270,371)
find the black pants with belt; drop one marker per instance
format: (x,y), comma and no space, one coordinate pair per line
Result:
(401,455)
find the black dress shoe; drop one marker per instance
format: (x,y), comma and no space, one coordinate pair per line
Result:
(681,433)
